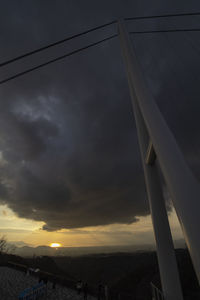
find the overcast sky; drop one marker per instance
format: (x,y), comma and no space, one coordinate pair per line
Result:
(69,155)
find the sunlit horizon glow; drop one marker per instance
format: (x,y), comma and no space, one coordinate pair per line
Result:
(25,232)
(55,245)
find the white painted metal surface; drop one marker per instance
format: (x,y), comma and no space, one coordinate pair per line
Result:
(167,261)
(156,293)
(183,186)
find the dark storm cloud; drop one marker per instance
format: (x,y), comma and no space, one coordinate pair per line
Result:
(69,152)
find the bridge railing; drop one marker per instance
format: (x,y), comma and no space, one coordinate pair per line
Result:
(156,293)
(34,292)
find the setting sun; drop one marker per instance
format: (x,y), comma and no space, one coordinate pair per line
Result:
(55,245)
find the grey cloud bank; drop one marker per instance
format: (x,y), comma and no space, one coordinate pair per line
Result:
(67,136)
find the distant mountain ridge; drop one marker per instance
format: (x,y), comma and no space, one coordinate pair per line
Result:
(28,251)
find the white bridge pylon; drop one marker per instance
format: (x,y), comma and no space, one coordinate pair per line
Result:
(182,185)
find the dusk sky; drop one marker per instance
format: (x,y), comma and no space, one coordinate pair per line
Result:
(70,168)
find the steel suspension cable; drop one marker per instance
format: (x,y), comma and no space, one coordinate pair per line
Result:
(163,16)
(55,59)
(54,44)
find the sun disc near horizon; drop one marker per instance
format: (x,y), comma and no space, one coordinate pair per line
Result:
(55,245)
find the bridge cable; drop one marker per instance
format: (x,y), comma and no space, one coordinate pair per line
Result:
(55,59)
(166,30)
(163,16)
(54,44)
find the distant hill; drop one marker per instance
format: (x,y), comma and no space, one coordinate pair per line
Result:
(126,274)
(28,251)
(129,274)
